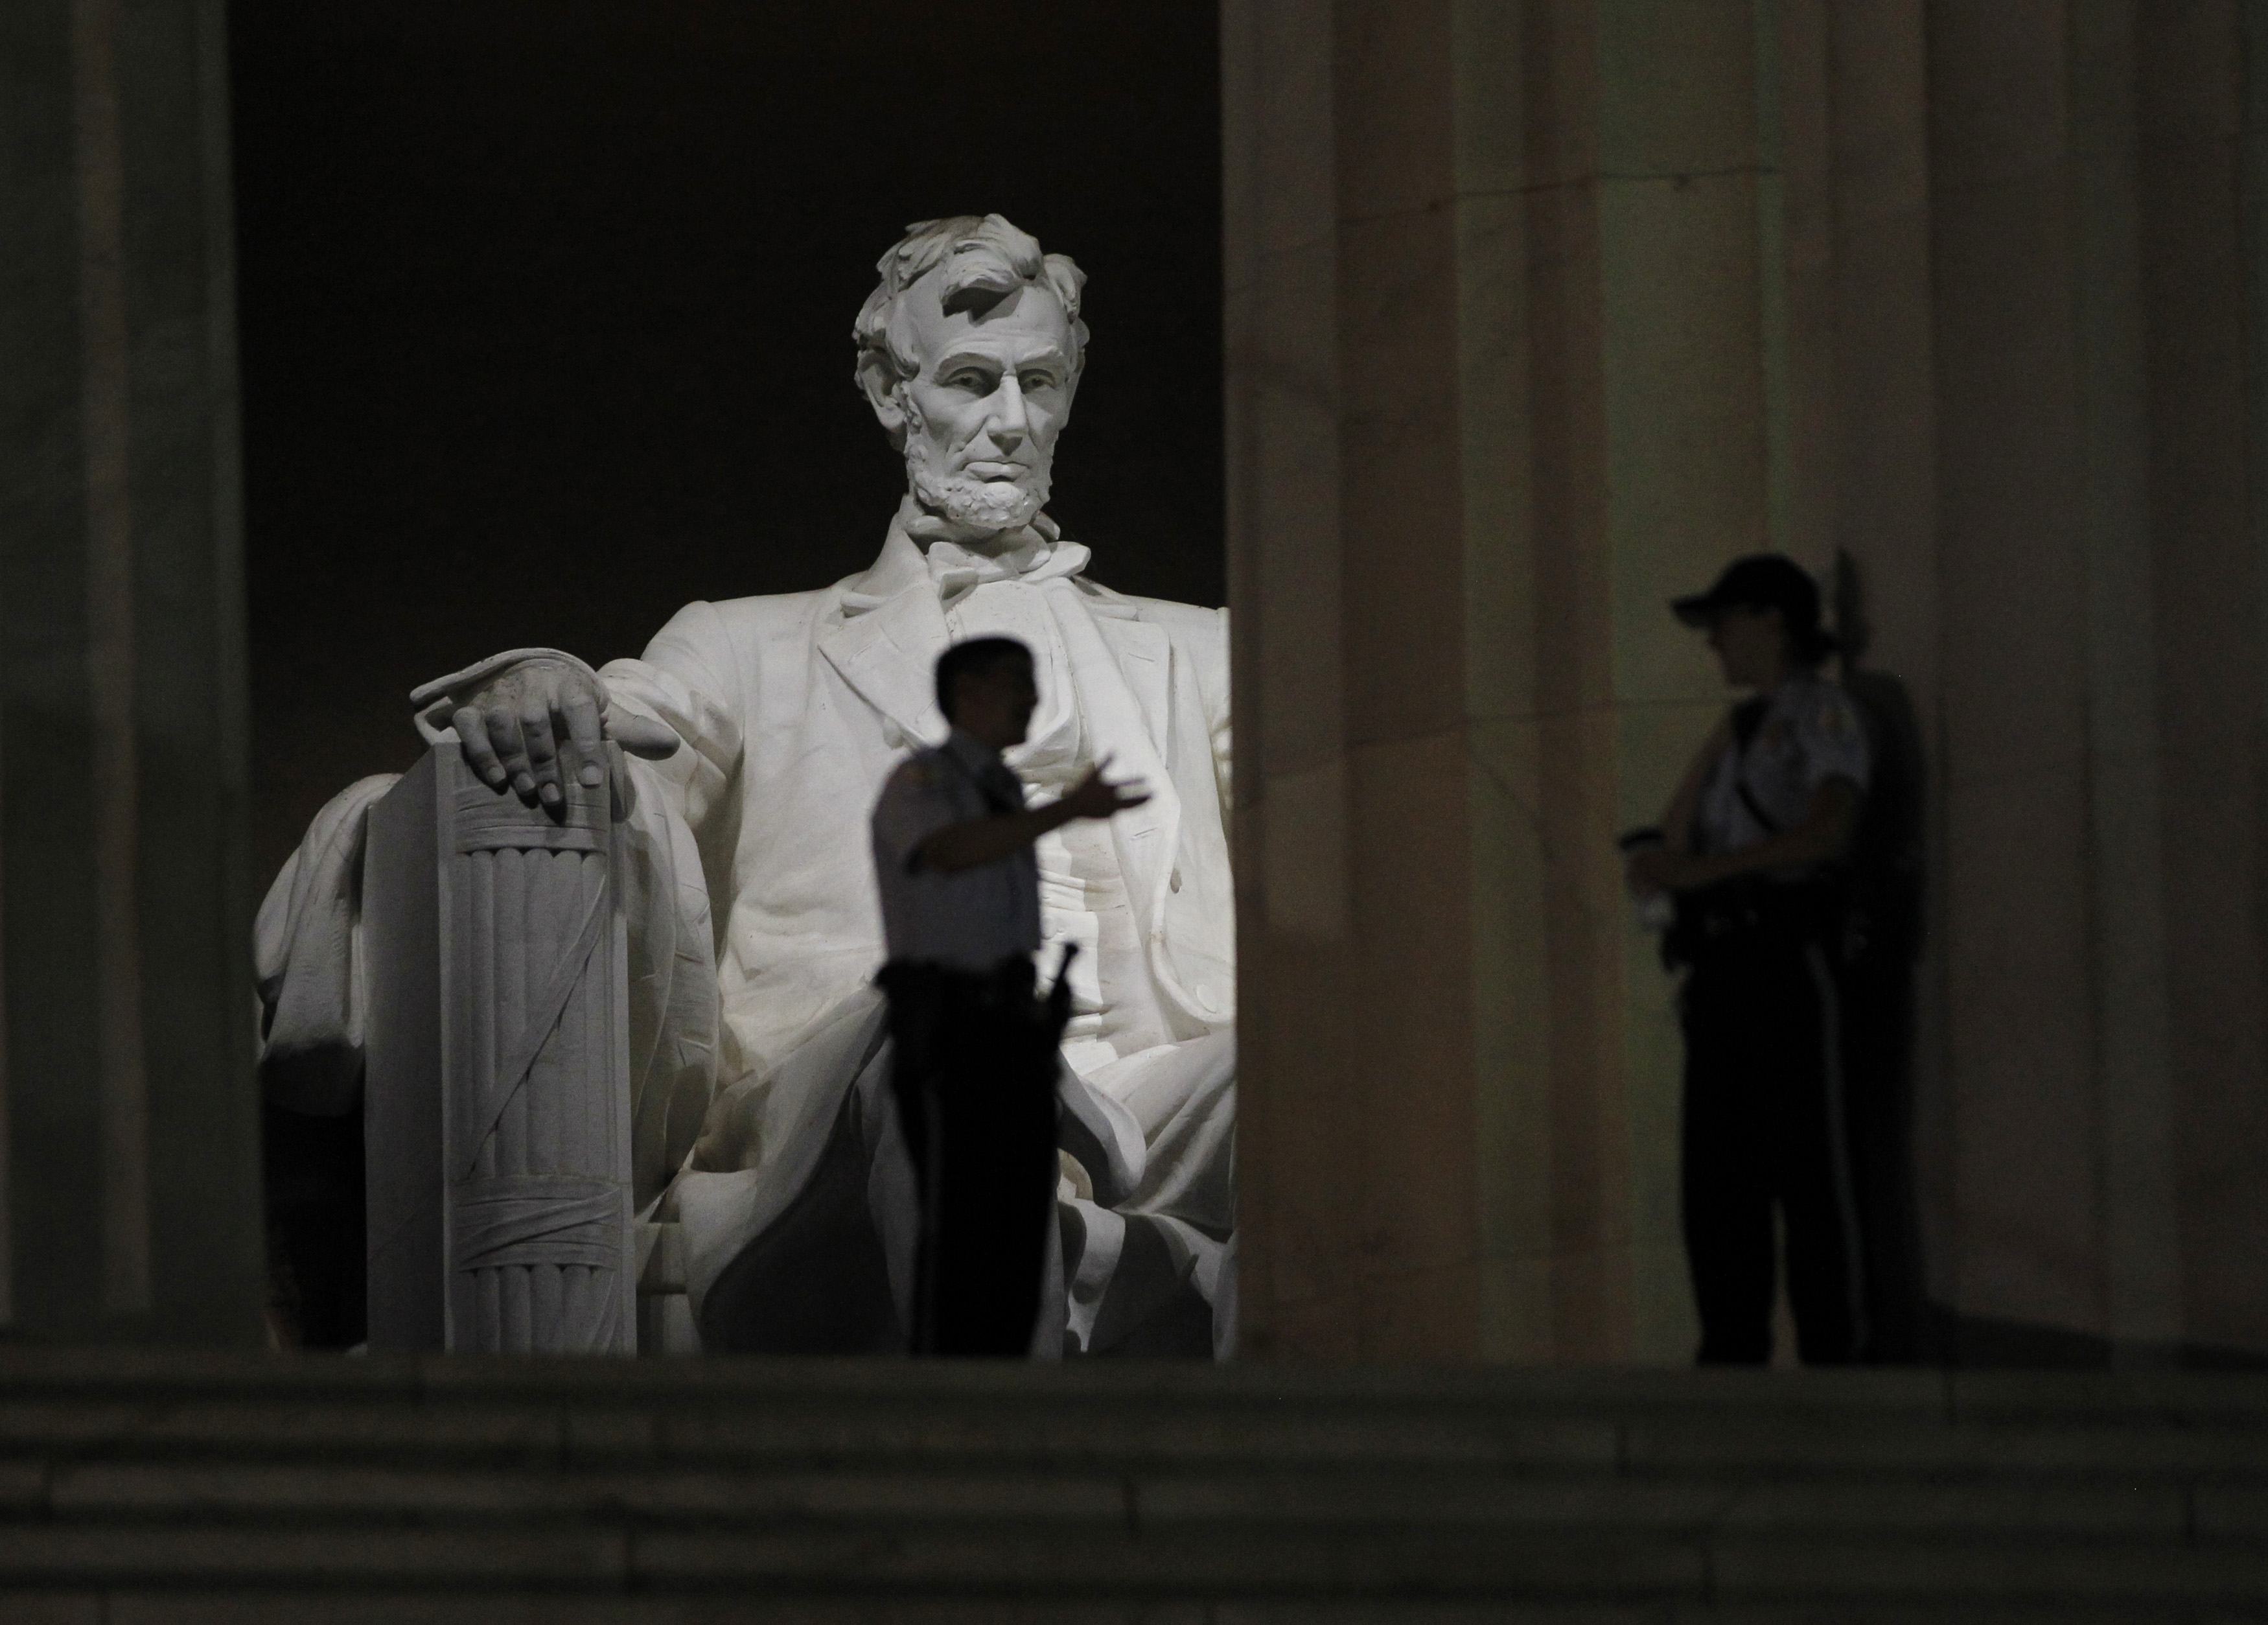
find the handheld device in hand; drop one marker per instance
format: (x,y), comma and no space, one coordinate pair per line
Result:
(1658,912)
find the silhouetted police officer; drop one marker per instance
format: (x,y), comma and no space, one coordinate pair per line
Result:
(977,1049)
(1750,843)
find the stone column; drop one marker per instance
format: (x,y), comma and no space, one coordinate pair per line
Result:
(2100,707)
(1354,850)
(2035,374)
(129,1188)
(2202,88)
(1537,314)
(2014,612)
(1497,390)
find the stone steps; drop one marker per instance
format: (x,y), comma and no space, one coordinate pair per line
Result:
(136,1487)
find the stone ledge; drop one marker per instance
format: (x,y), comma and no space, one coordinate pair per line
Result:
(158,1375)
(665,1494)
(1598,1566)
(225,1607)
(249,1491)
(1807,1445)
(1958,1568)
(86,1555)
(240,1607)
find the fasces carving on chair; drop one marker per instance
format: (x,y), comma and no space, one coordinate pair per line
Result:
(496,1097)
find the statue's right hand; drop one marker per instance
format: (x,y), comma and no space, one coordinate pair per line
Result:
(511,727)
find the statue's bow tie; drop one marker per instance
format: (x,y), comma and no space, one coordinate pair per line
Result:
(957,569)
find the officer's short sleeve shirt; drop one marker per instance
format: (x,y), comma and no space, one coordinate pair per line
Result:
(970,919)
(1811,732)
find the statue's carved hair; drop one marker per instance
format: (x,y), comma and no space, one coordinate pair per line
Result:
(985,258)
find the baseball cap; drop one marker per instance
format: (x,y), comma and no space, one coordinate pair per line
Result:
(1762,581)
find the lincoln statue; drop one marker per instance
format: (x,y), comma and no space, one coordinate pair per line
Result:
(754,735)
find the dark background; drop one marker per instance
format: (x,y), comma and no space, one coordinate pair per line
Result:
(546,309)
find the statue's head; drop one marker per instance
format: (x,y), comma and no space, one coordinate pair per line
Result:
(970,352)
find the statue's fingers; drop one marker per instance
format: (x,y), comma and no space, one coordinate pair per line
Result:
(542,750)
(640,736)
(511,753)
(580,712)
(473,740)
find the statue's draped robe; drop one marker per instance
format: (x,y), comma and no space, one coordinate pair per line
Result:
(761,1127)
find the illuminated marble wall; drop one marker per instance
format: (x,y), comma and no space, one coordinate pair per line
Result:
(1537,314)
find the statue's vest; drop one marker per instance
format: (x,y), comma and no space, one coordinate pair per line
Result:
(831,688)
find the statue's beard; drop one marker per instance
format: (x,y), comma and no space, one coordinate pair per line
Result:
(980,505)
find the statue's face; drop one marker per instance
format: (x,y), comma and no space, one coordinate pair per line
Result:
(982,415)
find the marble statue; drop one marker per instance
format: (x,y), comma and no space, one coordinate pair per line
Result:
(754,735)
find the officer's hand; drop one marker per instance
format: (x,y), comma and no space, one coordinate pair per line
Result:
(510,730)
(1096,797)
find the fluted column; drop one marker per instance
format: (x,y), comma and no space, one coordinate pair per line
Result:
(2201,76)
(1352,841)
(1497,390)
(131,1171)
(1539,311)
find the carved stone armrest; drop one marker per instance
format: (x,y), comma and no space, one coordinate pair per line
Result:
(496,1102)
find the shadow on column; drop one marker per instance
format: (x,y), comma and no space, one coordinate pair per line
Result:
(1883,946)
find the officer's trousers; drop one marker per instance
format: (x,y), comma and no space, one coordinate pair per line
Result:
(975,1076)
(1763,1129)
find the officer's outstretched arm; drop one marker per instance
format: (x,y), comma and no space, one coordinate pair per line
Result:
(976,841)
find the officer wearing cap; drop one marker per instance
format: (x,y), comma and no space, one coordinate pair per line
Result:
(1750,843)
(975,1065)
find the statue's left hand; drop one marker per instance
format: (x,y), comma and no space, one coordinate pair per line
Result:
(511,728)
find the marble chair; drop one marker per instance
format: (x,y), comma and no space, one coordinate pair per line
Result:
(496,1097)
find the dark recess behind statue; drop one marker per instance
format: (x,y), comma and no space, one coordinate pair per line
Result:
(545,316)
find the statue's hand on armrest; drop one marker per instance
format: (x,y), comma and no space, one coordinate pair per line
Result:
(511,711)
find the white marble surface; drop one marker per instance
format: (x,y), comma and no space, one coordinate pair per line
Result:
(761,730)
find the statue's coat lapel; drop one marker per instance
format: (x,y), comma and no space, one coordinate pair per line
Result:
(887,644)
